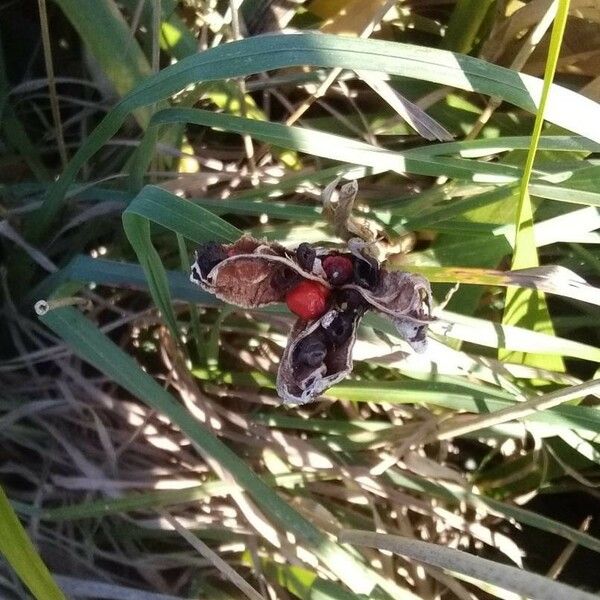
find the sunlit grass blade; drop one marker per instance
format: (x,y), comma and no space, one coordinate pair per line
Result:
(95,348)
(564,193)
(510,337)
(159,206)
(553,280)
(21,554)
(262,53)
(581,418)
(485,147)
(337,147)
(122,60)
(524,307)
(510,578)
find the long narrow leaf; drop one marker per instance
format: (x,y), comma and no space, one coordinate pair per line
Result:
(95,348)
(530,585)
(156,205)
(21,554)
(524,307)
(337,147)
(262,53)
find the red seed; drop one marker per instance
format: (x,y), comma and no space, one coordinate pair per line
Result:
(308,300)
(338,269)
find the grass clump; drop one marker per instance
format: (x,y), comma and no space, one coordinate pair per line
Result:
(145,451)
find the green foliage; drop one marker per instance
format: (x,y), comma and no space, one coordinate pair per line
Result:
(159,402)
(22,556)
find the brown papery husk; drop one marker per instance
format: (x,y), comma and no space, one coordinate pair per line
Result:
(246,278)
(294,383)
(406,299)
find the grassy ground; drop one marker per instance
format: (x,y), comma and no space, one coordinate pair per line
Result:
(144,452)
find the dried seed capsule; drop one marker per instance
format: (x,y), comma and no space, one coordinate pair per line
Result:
(209,255)
(305,255)
(309,300)
(366,272)
(338,269)
(311,351)
(340,329)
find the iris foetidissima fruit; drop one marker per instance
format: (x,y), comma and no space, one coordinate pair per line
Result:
(328,289)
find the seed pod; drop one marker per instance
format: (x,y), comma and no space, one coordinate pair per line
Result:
(285,278)
(311,351)
(348,299)
(330,291)
(248,273)
(340,328)
(208,256)
(304,371)
(406,299)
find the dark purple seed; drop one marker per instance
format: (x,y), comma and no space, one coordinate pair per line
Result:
(351,301)
(340,329)
(366,272)
(311,351)
(284,279)
(305,255)
(210,255)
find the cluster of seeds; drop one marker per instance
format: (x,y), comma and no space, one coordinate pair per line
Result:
(347,306)
(310,299)
(328,289)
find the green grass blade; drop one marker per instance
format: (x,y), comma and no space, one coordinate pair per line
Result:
(526,307)
(122,60)
(84,269)
(337,147)
(585,420)
(21,554)
(182,216)
(465,22)
(495,335)
(137,230)
(485,147)
(155,205)
(562,193)
(262,53)
(530,585)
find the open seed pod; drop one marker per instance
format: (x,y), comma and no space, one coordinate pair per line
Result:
(318,355)
(406,299)
(248,273)
(328,288)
